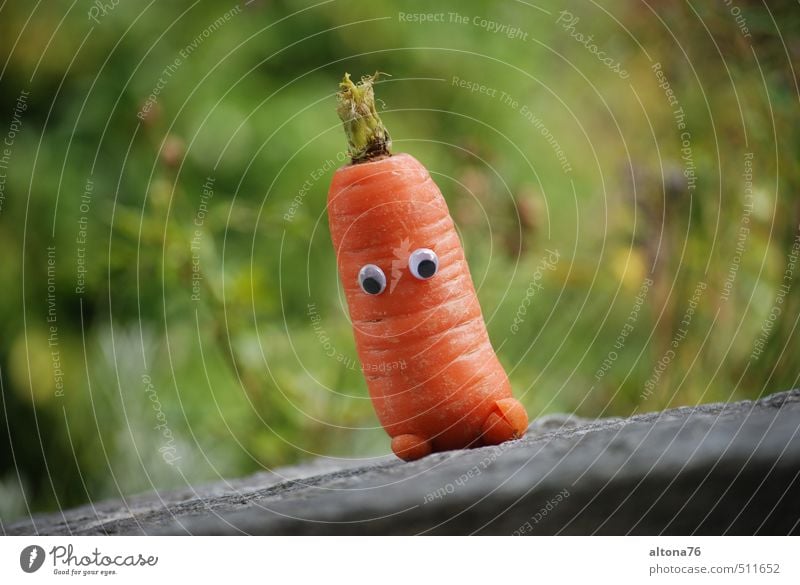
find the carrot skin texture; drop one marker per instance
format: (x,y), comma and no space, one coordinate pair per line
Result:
(434,379)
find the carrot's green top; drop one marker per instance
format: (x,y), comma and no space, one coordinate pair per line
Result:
(367,138)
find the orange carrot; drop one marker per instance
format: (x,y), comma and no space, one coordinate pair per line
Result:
(434,379)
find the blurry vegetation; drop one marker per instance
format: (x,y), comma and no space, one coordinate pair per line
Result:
(244,378)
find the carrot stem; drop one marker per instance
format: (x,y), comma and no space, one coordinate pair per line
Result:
(367,137)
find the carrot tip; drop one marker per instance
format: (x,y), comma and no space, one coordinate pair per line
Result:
(367,137)
(507,422)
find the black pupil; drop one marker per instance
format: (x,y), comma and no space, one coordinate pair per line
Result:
(372,286)
(426,268)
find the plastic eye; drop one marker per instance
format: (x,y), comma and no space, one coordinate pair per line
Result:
(372,279)
(423,263)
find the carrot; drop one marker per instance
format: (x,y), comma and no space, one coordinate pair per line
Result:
(433,377)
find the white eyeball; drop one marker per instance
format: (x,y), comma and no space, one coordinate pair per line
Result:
(372,279)
(423,263)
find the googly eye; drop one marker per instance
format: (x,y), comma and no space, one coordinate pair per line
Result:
(372,279)
(423,263)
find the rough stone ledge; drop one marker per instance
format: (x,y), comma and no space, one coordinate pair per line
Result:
(729,468)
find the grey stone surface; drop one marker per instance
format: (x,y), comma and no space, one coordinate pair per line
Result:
(710,469)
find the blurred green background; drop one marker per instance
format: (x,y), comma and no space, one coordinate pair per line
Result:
(210,340)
